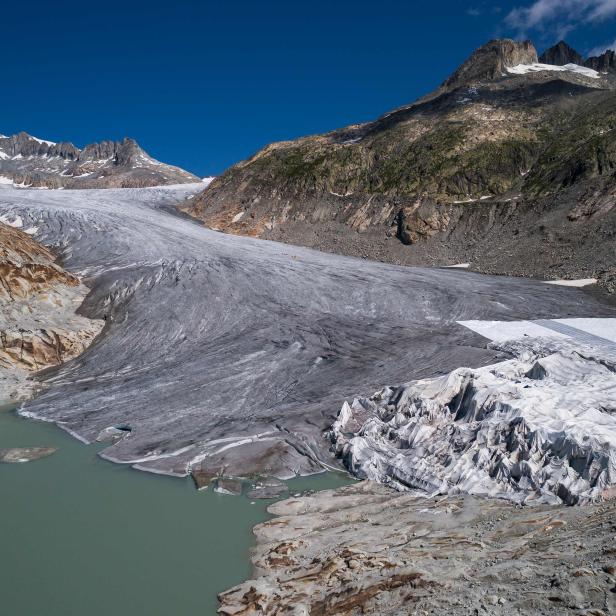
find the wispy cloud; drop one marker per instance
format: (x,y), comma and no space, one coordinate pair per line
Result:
(483,8)
(560,16)
(597,51)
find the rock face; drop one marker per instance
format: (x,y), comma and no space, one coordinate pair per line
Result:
(508,166)
(606,62)
(28,161)
(364,549)
(491,61)
(560,55)
(38,299)
(538,428)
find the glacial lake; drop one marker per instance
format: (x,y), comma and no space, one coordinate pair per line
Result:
(82,536)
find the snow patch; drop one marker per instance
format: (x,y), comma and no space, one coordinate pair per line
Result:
(582,282)
(17,222)
(523,69)
(43,141)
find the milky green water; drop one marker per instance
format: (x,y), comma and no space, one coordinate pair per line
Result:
(80,536)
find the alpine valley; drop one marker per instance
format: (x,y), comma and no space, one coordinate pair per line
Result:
(224,332)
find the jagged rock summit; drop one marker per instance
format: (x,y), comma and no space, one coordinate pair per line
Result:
(562,54)
(510,166)
(491,61)
(28,161)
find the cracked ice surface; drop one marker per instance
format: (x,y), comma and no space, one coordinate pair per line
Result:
(540,427)
(229,352)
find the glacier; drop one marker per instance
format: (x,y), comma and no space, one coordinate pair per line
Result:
(228,354)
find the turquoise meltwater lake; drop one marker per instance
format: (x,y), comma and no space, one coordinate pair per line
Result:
(84,537)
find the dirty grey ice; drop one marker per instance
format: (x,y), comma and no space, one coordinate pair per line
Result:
(230,354)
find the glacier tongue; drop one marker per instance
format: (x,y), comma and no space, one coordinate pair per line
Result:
(540,427)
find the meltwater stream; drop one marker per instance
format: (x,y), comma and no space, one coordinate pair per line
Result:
(82,536)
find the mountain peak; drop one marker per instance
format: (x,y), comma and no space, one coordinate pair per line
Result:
(30,161)
(561,54)
(491,60)
(606,62)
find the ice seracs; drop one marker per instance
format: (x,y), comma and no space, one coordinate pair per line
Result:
(537,428)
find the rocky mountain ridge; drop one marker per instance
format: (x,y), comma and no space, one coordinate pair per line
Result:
(33,162)
(562,54)
(509,166)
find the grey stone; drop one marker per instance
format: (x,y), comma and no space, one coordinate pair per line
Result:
(17,455)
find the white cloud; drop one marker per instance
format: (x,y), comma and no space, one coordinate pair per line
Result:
(560,15)
(602,10)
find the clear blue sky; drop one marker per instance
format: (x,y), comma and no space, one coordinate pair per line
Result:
(205,84)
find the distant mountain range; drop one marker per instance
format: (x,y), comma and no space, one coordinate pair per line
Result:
(28,161)
(509,166)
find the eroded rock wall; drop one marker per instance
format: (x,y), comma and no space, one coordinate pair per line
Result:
(38,324)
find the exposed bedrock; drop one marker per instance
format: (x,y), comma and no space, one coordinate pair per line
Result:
(367,550)
(537,428)
(226,354)
(38,300)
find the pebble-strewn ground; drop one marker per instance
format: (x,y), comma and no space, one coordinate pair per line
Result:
(364,549)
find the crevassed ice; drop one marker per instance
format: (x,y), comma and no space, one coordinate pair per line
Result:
(538,428)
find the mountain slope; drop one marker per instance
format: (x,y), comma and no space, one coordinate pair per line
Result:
(508,165)
(28,161)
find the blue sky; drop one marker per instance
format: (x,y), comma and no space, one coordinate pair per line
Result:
(205,84)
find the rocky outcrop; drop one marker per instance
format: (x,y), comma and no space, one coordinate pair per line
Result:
(38,324)
(28,161)
(20,455)
(512,172)
(606,62)
(490,62)
(560,54)
(536,428)
(365,549)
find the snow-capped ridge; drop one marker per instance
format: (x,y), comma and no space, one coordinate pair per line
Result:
(29,161)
